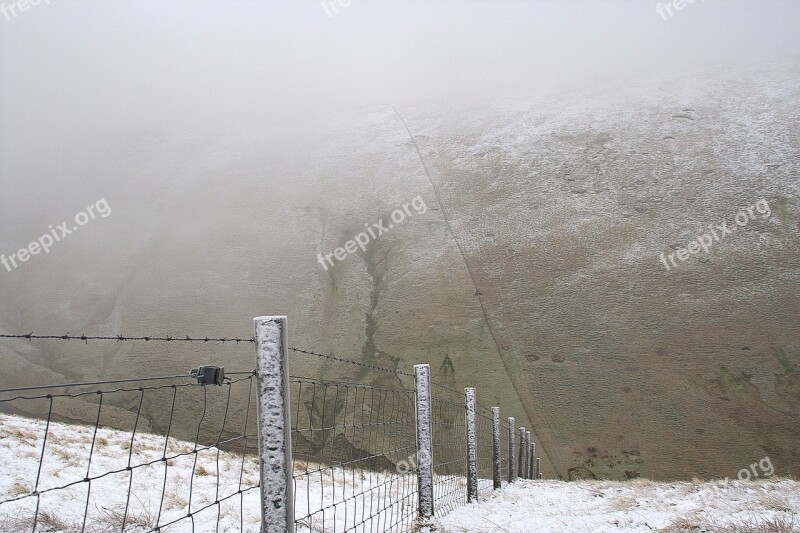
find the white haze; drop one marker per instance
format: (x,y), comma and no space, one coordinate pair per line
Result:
(81,78)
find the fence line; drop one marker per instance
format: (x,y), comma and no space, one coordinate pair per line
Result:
(353,453)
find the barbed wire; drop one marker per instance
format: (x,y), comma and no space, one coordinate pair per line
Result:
(169,338)
(352,362)
(67,336)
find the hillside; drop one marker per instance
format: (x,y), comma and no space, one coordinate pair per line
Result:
(533,273)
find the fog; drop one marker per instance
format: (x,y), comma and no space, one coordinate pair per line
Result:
(84,81)
(214,151)
(73,71)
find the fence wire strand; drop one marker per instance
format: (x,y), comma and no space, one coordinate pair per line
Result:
(164,452)
(107,447)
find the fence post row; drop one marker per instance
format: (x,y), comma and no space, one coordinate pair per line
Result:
(274,424)
(512,450)
(275,434)
(472,446)
(422,382)
(496,460)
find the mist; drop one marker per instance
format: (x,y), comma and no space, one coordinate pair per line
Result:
(559,147)
(79,70)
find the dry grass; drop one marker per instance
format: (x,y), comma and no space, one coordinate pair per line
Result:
(201,470)
(684,524)
(114,517)
(173,500)
(781,524)
(19,489)
(623,502)
(49,521)
(775,502)
(693,523)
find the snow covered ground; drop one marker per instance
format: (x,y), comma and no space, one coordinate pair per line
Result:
(769,505)
(368,501)
(524,506)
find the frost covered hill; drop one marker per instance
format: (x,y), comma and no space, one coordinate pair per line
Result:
(764,506)
(534,274)
(525,506)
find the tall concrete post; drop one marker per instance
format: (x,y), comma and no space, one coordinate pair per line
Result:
(472,446)
(422,381)
(496,459)
(274,424)
(512,449)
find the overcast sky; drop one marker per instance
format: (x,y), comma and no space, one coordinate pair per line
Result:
(74,72)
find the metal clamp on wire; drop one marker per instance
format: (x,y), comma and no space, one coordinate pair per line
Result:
(208,375)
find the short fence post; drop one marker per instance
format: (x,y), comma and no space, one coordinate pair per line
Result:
(528,455)
(472,446)
(422,381)
(496,461)
(522,452)
(538,468)
(274,424)
(533,459)
(512,450)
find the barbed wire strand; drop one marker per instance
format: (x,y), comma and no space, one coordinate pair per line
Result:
(32,336)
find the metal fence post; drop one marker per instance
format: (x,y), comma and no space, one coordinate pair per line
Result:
(496,460)
(422,381)
(512,450)
(538,471)
(274,424)
(533,460)
(472,446)
(521,461)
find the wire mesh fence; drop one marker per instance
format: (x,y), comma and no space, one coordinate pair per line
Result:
(181,452)
(483,417)
(504,459)
(449,451)
(96,457)
(353,448)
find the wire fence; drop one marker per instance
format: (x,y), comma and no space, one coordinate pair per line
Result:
(181,452)
(97,458)
(449,453)
(485,450)
(348,439)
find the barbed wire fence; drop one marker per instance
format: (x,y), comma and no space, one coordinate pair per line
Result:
(265,450)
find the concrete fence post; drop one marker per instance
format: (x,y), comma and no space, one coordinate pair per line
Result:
(538,471)
(472,446)
(533,460)
(528,455)
(274,424)
(496,459)
(422,381)
(512,449)
(522,452)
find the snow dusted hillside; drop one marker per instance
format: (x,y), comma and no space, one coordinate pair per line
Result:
(525,506)
(763,506)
